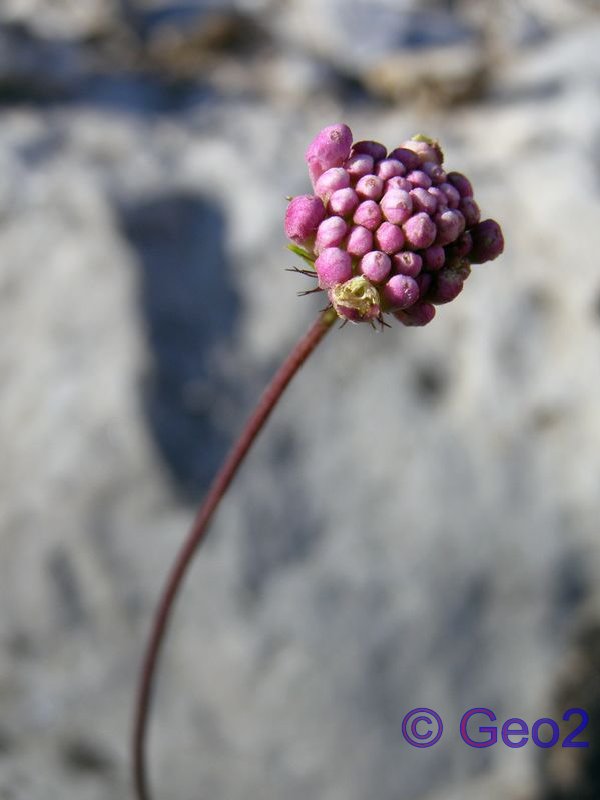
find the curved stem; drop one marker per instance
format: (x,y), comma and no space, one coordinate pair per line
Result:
(217,489)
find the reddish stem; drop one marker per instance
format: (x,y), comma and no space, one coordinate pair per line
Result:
(219,486)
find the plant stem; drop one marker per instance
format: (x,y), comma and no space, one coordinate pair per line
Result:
(217,489)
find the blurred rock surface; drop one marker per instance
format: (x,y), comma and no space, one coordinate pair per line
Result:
(418,524)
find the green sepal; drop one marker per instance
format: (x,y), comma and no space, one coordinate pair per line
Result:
(304,254)
(420,137)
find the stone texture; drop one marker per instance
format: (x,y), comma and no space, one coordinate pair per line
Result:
(441,551)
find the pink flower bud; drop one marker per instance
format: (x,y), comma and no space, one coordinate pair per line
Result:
(440,197)
(329,148)
(488,242)
(333,266)
(396,206)
(369,215)
(407,263)
(434,257)
(360,241)
(408,157)
(462,184)
(330,181)
(452,195)
(344,202)
(470,211)
(426,149)
(448,285)
(435,172)
(390,168)
(302,218)
(370,187)
(424,280)
(389,238)
(419,231)
(374,149)
(331,233)
(398,183)
(416,316)
(360,164)
(400,292)
(419,178)
(375,266)
(423,200)
(462,246)
(450,224)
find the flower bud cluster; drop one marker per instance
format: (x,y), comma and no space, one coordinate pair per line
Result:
(388,232)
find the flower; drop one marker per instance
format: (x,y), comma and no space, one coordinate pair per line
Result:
(387,232)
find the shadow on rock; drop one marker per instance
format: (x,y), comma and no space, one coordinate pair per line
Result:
(190,307)
(572,772)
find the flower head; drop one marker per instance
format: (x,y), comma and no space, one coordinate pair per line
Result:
(387,232)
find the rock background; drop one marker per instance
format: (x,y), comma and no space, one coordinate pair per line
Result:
(419,523)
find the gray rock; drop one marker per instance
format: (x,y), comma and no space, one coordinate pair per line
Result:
(416,527)
(38,69)
(66,19)
(357,35)
(432,77)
